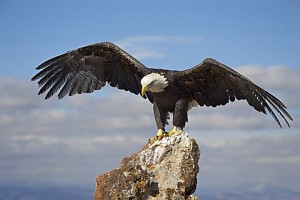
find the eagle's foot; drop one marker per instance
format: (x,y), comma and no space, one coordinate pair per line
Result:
(159,135)
(175,130)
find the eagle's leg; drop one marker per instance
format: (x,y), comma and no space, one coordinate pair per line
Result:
(161,117)
(180,117)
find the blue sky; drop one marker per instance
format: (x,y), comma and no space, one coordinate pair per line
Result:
(239,32)
(258,38)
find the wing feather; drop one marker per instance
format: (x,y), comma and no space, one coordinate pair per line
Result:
(58,83)
(212,83)
(51,80)
(89,68)
(66,88)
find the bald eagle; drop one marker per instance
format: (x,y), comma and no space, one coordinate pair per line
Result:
(209,83)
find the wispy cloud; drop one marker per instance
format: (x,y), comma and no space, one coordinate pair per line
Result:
(272,77)
(173,39)
(266,160)
(22,110)
(150,46)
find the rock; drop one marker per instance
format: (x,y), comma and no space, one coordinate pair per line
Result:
(167,169)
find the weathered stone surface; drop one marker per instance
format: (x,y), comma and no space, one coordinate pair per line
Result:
(167,169)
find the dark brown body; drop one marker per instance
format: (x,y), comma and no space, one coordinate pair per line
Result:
(171,101)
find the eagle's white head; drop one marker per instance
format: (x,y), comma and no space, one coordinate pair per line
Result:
(154,82)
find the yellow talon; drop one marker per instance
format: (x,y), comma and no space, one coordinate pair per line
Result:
(152,140)
(174,131)
(159,136)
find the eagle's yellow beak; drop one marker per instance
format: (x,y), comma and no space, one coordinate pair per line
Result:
(144,90)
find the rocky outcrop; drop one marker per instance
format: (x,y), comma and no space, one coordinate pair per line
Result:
(167,169)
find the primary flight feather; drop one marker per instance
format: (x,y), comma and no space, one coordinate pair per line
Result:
(209,83)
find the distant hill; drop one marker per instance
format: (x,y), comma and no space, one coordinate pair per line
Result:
(63,193)
(44,193)
(265,193)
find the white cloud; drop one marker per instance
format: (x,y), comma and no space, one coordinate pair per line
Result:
(273,160)
(276,76)
(237,160)
(23,110)
(59,141)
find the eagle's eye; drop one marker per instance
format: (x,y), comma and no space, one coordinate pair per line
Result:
(152,82)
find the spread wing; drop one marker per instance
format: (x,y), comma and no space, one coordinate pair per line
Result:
(89,68)
(212,83)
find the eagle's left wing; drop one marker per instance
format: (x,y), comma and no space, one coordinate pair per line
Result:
(89,68)
(212,83)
